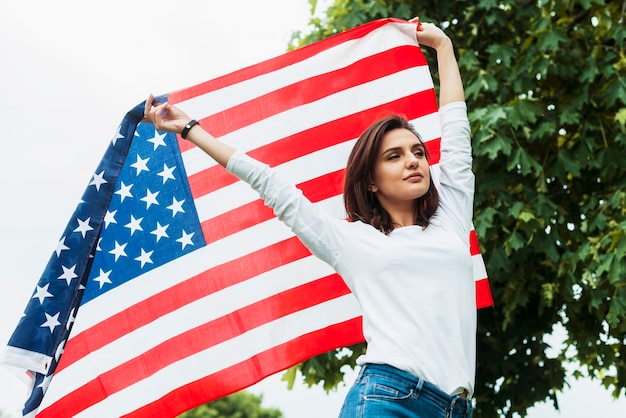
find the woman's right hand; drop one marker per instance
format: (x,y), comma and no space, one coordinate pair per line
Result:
(164,116)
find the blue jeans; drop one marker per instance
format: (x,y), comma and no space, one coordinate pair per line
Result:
(382,391)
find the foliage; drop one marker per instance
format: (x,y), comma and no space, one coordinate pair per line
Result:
(237,405)
(545,86)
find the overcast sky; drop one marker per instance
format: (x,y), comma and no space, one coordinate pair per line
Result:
(70,71)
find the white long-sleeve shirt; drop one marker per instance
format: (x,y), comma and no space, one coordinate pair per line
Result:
(415,286)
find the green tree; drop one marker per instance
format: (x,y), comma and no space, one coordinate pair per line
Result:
(238,405)
(545,86)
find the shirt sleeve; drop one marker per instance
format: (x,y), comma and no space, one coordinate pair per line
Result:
(318,231)
(456,188)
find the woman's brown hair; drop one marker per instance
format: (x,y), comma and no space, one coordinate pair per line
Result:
(360,202)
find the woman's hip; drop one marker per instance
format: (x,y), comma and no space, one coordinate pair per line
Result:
(381,390)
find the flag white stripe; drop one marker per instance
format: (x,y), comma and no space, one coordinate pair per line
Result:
(480,272)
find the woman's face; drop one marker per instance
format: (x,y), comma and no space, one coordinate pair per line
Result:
(401,172)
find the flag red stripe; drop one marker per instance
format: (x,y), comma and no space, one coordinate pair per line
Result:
(434,150)
(256,212)
(206,283)
(474,247)
(484,298)
(276,63)
(235,220)
(318,138)
(240,376)
(198,339)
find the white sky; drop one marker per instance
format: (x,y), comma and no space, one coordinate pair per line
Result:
(70,71)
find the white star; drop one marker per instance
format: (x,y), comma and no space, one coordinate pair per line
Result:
(118,251)
(145,257)
(109,218)
(103,278)
(42,293)
(68,274)
(98,180)
(141,164)
(45,383)
(134,225)
(118,135)
(160,231)
(83,226)
(51,322)
(72,318)
(185,239)
(167,173)
(124,191)
(157,139)
(98,248)
(150,198)
(176,206)
(59,350)
(61,247)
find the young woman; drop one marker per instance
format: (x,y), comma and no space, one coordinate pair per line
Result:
(404,255)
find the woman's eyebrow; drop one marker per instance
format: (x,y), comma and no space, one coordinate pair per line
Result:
(392,149)
(398,149)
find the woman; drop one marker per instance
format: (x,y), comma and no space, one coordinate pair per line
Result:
(405,253)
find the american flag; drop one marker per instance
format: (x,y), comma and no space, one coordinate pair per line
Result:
(186,286)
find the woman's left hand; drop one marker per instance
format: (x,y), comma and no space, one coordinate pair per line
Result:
(429,34)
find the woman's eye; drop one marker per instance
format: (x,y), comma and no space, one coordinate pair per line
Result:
(419,153)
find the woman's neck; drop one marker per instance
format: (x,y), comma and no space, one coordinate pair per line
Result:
(402,217)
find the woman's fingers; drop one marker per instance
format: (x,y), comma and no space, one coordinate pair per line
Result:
(156,114)
(416,19)
(153,110)
(148,106)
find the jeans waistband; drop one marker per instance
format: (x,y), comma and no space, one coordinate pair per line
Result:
(420,385)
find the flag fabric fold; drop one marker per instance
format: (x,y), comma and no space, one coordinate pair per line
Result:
(172,284)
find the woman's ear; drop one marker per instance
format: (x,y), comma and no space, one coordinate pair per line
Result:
(373,188)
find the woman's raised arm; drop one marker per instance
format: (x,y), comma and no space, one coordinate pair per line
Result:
(166,117)
(450,84)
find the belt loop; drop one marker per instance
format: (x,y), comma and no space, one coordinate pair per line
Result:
(466,402)
(360,374)
(419,385)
